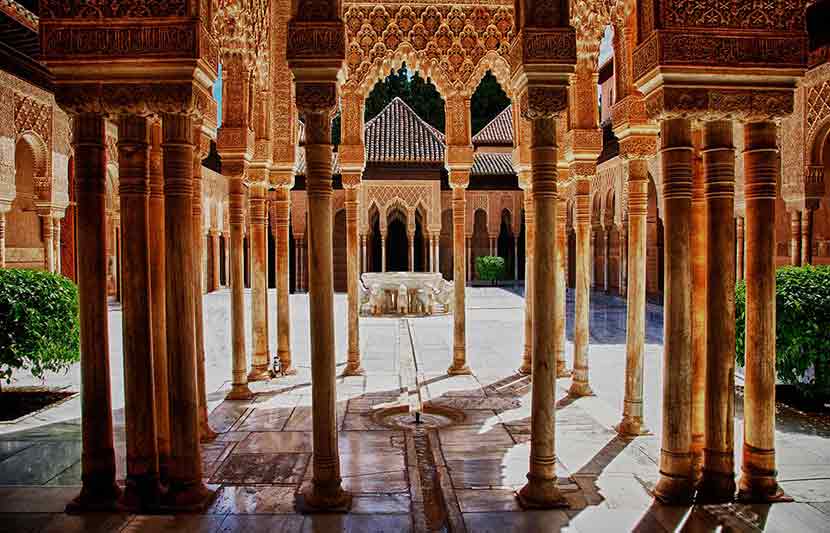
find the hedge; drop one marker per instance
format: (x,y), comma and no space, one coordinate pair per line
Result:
(39,324)
(490,267)
(802,299)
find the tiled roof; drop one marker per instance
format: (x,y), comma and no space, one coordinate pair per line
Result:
(498,131)
(398,135)
(492,164)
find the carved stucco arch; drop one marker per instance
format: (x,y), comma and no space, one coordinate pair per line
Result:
(39,151)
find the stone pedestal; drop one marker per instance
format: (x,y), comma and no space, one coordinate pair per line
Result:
(761,166)
(99,490)
(143,490)
(186,491)
(676,485)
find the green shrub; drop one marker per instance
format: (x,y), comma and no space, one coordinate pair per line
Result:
(802,299)
(490,267)
(39,324)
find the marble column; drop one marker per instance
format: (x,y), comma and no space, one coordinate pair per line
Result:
(530,233)
(214,261)
(739,248)
(410,238)
(758,473)
(364,267)
(186,488)
(353,367)
(325,490)
(795,237)
(516,257)
(718,483)
(697,254)
(56,244)
(807,236)
(623,247)
(437,245)
(236,211)
(259,282)
(603,242)
(282,216)
(541,490)
(469,252)
(579,385)
(383,251)
(201,150)
(158,302)
(99,490)
(632,423)
(676,485)
(2,239)
(459,179)
(142,485)
(48,246)
(560,268)
(298,264)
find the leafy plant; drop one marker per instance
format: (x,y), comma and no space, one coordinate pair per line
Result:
(39,323)
(802,321)
(490,267)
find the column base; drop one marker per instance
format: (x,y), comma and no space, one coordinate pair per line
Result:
(760,489)
(95,496)
(324,498)
(354,370)
(631,427)
(142,493)
(463,370)
(562,371)
(187,498)
(240,392)
(716,487)
(579,389)
(540,494)
(674,490)
(206,433)
(526,369)
(259,373)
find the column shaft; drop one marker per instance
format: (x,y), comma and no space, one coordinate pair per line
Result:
(530,234)
(2,239)
(739,248)
(48,244)
(215,260)
(236,212)
(98,453)
(143,487)
(560,267)
(632,423)
(383,252)
(675,485)
(56,242)
(259,283)
(459,344)
(158,311)
(807,237)
(580,386)
(282,214)
(718,483)
(541,489)
(326,490)
(187,490)
(353,367)
(795,238)
(697,241)
(758,477)
(410,237)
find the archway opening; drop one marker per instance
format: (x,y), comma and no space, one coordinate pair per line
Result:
(396,244)
(505,245)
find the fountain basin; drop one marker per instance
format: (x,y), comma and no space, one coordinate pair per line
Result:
(405,294)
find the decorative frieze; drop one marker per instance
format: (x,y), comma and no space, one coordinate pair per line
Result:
(719,104)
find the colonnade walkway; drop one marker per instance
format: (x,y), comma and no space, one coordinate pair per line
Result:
(461,476)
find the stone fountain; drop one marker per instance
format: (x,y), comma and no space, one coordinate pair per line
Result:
(405,294)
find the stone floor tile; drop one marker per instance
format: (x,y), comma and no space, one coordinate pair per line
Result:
(87,523)
(487,500)
(355,523)
(301,419)
(69,477)
(487,473)
(275,442)
(35,499)
(180,524)
(227,414)
(518,522)
(361,422)
(39,463)
(384,482)
(808,490)
(380,504)
(244,468)
(790,517)
(24,522)
(11,447)
(262,524)
(824,507)
(254,499)
(600,519)
(261,418)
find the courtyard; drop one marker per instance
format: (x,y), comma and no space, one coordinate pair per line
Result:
(460,476)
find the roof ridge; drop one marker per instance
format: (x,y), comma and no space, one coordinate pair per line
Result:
(493,124)
(430,128)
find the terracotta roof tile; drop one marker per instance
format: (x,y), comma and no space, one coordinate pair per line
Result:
(398,135)
(492,164)
(498,131)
